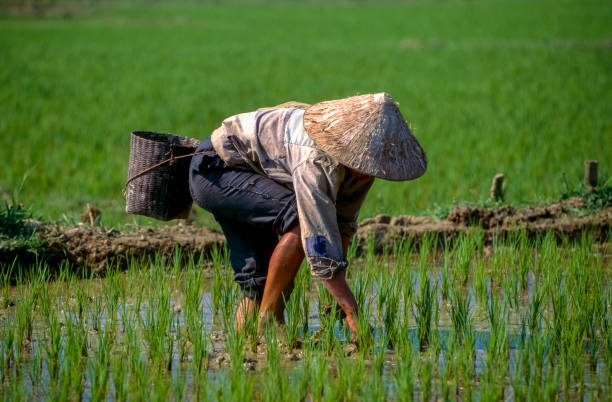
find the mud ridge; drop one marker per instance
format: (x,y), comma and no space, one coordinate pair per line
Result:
(96,248)
(566,219)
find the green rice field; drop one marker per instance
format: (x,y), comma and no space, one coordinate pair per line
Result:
(518,87)
(523,320)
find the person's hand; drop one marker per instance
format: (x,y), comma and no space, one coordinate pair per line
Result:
(343,295)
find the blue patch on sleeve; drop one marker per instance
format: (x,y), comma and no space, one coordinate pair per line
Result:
(316,246)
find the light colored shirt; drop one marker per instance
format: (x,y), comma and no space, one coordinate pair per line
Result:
(273,142)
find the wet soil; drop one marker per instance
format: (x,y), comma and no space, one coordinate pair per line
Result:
(566,219)
(94,247)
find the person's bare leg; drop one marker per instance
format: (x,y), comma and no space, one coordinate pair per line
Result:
(247,306)
(284,265)
(279,310)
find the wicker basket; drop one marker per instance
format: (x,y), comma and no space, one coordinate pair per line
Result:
(158,181)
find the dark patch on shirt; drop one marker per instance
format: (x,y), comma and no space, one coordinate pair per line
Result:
(316,246)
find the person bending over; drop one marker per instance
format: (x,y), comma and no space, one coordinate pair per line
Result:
(288,181)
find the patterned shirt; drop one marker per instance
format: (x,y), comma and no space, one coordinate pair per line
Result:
(273,142)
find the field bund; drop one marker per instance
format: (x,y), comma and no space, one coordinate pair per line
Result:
(98,248)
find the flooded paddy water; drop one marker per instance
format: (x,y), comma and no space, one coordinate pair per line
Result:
(518,319)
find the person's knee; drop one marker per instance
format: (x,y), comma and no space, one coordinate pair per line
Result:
(294,231)
(292,236)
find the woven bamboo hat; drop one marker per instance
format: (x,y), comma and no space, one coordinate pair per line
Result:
(367,133)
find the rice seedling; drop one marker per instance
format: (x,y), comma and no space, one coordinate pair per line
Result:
(76,351)
(193,290)
(403,377)
(6,272)
(518,377)
(320,372)
(160,387)
(524,252)
(53,343)
(329,342)
(229,297)
(179,384)
(390,321)
(219,260)
(463,254)
(551,383)
(549,254)
(361,284)
(180,340)
(559,301)
(98,368)
(138,367)
(293,312)
(497,313)
(384,288)
(447,379)
(96,312)
(325,302)
(428,242)
(112,289)
(6,353)
(461,317)
(374,390)
(501,261)
(379,354)
(24,310)
(199,338)
(426,373)
(532,316)
(16,388)
(235,348)
(119,373)
(480,281)
(156,330)
(512,290)
(560,349)
(445,274)
(36,366)
(424,308)
(465,370)
(277,384)
(493,379)
(302,285)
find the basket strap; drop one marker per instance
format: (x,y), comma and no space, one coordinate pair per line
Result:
(170,160)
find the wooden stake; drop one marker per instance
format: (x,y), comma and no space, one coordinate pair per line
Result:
(590,173)
(91,214)
(497,187)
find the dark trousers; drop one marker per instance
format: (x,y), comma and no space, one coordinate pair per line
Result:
(253,211)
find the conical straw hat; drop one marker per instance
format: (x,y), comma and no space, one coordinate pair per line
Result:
(290,104)
(367,133)
(293,104)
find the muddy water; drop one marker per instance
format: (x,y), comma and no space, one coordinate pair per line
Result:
(255,360)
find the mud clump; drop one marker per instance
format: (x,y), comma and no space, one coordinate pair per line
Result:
(507,216)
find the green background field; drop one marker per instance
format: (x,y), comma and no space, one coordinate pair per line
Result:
(519,87)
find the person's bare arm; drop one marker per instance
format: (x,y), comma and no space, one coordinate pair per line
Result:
(340,291)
